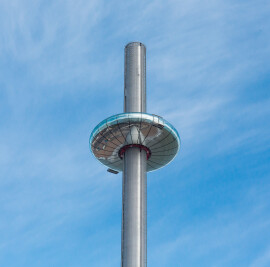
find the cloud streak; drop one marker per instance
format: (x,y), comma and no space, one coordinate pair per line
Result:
(61,72)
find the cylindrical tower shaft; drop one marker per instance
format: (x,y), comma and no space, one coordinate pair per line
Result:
(134,209)
(135,78)
(134,199)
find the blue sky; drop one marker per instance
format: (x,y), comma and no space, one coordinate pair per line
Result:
(61,73)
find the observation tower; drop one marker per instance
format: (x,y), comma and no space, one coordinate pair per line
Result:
(134,142)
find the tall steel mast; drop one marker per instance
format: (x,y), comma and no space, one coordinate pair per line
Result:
(134,170)
(134,142)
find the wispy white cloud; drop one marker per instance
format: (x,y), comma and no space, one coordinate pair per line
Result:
(221,238)
(61,72)
(262,260)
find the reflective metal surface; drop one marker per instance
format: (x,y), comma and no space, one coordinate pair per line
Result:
(115,132)
(134,209)
(135,78)
(134,142)
(133,249)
